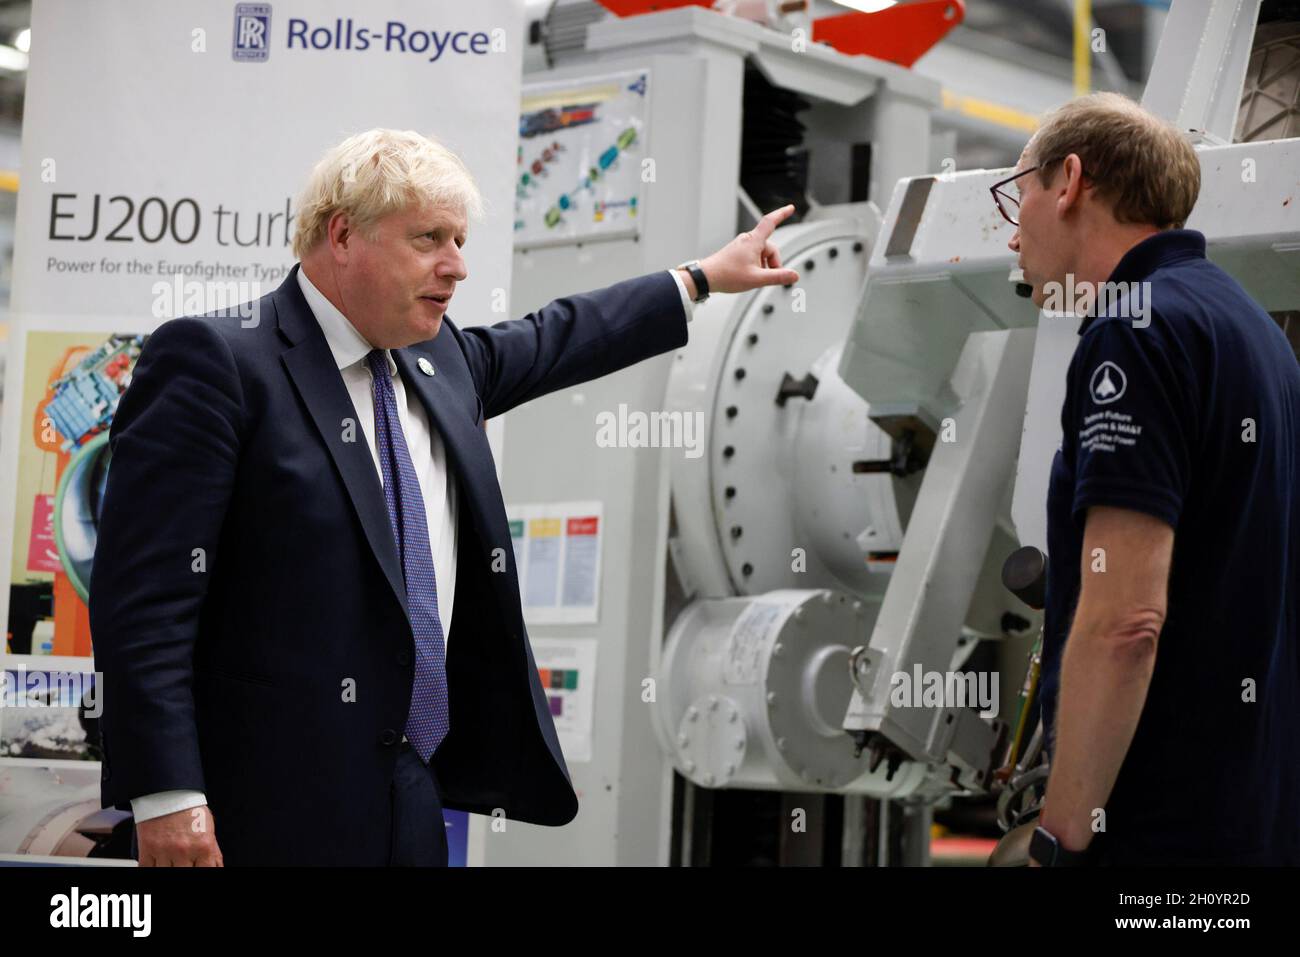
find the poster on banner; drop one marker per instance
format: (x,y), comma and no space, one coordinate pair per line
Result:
(41,806)
(557,551)
(164,144)
(50,714)
(72,381)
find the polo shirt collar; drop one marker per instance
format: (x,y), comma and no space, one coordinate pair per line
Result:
(1162,249)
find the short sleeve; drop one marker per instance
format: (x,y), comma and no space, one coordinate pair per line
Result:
(1128,416)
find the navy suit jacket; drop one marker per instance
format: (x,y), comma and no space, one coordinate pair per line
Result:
(246,577)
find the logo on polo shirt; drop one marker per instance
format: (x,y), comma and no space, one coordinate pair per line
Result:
(1108,383)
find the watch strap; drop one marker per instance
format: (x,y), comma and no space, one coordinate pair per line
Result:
(697,276)
(1047,851)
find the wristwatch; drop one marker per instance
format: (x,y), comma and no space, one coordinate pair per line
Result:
(701,280)
(1046,850)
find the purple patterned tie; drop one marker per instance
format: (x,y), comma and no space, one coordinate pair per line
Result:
(427,722)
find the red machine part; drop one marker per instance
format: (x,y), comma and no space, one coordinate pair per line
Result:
(630,8)
(900,34)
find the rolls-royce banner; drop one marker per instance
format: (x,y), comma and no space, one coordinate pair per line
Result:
(172,153)
(164,145)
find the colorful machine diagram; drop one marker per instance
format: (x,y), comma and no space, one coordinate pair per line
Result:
(580,169)
(71,426)
(83,400)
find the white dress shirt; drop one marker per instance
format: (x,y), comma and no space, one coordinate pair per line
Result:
(428,456)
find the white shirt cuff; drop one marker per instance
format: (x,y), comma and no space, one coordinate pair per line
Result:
(165,802)
(686,298)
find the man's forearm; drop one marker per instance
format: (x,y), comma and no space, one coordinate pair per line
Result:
(1104,682)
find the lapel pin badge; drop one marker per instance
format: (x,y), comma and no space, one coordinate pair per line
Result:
(425,365)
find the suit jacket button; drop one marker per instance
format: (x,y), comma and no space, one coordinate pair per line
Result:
(403,658)
(388,738)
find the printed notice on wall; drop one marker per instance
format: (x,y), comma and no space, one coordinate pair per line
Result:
(557,551)
(581,160)
(567,667)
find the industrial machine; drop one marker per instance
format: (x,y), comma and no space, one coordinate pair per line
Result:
(873,442)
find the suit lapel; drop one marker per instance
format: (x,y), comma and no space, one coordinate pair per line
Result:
(315,375)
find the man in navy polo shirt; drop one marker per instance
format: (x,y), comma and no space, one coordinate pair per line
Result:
(1171,678)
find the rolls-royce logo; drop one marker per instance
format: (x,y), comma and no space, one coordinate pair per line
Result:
(252,32)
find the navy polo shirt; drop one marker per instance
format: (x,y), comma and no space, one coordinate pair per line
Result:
(1194,419)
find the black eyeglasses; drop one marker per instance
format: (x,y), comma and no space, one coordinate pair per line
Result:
(1008,205)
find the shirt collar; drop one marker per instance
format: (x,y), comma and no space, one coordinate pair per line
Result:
(1155,252)
(347,345)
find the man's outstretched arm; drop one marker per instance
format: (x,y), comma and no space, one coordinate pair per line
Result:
(585,336)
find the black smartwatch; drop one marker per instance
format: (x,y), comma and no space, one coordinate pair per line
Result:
(1047,851)
(701,280)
